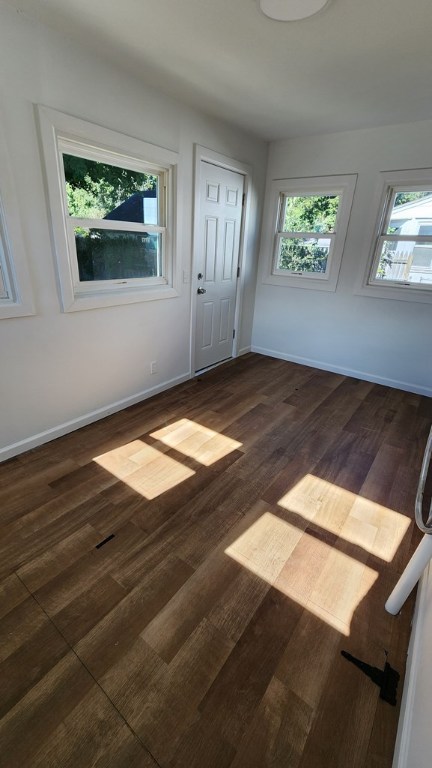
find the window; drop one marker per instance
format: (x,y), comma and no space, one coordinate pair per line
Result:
(16,298)
(403,246)
(112,208)
(310,227)
(5,291)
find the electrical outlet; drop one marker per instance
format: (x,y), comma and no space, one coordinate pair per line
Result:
(153,366)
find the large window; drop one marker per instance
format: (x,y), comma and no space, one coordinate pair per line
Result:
(403,246)
(306,233)
(112,207)
(311,219)
(398,257)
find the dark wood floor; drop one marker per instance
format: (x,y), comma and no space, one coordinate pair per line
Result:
(260,517)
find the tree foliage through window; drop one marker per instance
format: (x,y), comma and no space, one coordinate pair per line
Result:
(98,190)
(94,189)
(309,215)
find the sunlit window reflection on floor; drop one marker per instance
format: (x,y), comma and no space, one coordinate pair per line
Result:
(379,530)
(196,441)
(326,581)
(149,471)
(143,468)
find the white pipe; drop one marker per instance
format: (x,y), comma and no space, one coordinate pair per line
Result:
(410,576)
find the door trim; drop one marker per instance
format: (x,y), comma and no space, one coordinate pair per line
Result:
(202,154)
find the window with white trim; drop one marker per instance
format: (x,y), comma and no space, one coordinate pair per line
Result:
(402,253)
(15,290)
(309,229)
(112,207)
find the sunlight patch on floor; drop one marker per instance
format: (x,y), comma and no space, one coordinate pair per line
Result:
(348,515)
(143,468)
(266,546)
(196,441)
(325,580)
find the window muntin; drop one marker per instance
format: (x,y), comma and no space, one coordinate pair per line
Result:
(298,249)
(115,212)
(403,248)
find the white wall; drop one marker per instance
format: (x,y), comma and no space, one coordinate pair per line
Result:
(384,340)
(59,368)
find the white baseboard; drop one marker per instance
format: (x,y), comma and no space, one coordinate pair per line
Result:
(414,750)
(244,351)
(365,375)
(69,426)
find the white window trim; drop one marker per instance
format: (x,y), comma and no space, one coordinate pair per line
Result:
(15,277)
(368,286)
(58,131)
(319,185)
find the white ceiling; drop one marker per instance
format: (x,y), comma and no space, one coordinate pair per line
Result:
(358,63)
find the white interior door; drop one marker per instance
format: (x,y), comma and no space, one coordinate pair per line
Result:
(220,215)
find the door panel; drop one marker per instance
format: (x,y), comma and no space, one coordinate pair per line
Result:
(207,325)
(230,227)
(220,215)
(225,307)
(210,249)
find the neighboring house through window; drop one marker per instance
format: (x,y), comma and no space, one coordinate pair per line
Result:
(400,261)
(403,252)
(309,220)
(112,208)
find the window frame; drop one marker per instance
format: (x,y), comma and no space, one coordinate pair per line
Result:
(63,134)
(341,185)
(394,182)
(17,300)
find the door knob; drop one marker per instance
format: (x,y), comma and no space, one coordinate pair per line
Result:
(201,290)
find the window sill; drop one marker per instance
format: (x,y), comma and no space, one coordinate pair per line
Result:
(398,293)
(14,309)
(311,283)
(84,301)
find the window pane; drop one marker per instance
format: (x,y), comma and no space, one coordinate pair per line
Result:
(311,213)
(405,261)
(111,255)
(3,291)
(3,272)
(303,255)
(102,191)
(411,212)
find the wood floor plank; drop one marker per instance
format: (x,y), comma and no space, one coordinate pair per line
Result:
(50,563)
(30,723)
(12,593)
(40,648)
(114,634)
(174,694)
(244,678)
(278,733)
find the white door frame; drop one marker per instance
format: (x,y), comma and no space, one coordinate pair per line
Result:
(202,154)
